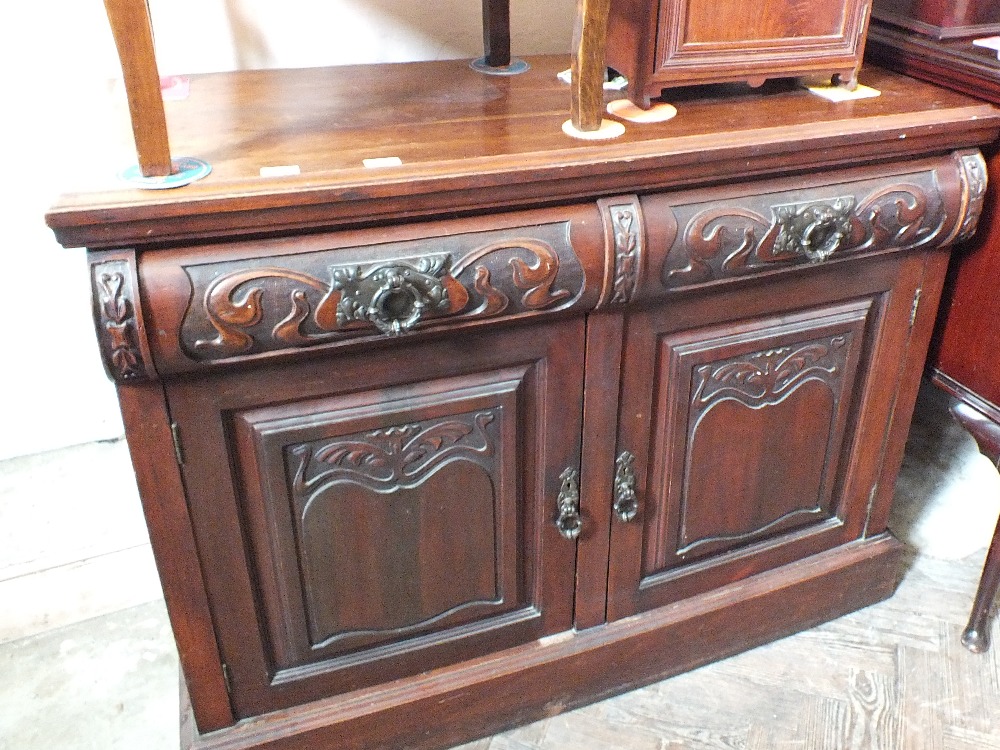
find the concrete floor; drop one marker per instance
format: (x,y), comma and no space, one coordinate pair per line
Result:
(89,663)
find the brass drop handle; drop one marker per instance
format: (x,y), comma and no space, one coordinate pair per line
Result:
(569,522)
(816,230)
(394,297)
(626,502)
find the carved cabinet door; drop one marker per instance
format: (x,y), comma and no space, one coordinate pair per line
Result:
(752,425)
(374,515)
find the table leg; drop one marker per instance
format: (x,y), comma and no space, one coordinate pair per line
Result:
(986,433)
(133,33)
(589,43)
(496,32)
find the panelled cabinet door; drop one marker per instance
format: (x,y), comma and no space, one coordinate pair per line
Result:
(376,515)
(751,428)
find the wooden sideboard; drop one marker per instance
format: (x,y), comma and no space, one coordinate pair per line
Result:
(523,421)
(964,351)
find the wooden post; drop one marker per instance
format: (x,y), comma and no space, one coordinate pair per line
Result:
(590,37)
(496,32)
(133,32)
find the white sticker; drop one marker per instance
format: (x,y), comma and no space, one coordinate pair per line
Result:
(990,42)
(285,170)
(844,94)
(383,161)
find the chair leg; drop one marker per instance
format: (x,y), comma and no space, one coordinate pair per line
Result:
(589,43)
(986,433)
(133,33)
(496,32)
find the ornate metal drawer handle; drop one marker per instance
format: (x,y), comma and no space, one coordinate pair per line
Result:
(569,521)
(817,229)
(626,501)
(394,298)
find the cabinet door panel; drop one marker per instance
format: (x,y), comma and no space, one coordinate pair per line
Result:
(386,514)
(756,413)
(745,411)
(385,522)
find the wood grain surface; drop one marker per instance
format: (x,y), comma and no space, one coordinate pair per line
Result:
(470,142)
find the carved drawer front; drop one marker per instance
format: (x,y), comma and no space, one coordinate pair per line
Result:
(746,424)
(708,237)
(245,300)
(397,518)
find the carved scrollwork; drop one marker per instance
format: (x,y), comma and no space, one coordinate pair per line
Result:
(767,376)
(718,242)
(117,322)
(238,310)
(392,458)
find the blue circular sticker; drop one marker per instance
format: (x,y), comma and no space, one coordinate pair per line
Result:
(186,170)
(516,66)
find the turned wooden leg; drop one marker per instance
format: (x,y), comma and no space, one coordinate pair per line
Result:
(589,42)
(133,33)
(986,433)
(496,32)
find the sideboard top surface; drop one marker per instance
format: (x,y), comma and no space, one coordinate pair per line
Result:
(471,143)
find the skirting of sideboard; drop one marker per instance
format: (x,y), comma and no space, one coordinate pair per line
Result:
(455,704)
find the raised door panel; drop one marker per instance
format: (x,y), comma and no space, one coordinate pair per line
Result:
(386,514)
(745,415)
(714,32)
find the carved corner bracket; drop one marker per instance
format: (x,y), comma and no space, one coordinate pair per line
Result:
(118,319)
(972,171)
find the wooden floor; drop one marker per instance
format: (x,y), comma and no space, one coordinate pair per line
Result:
(893,676)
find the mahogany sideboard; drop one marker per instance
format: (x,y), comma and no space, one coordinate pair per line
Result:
(523,421)
(965,350)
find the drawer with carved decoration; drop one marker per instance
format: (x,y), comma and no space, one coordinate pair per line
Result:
(238,301)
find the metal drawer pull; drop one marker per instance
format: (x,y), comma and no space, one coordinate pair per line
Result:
(626,502)
(569,522)
(393,298)
(816,229)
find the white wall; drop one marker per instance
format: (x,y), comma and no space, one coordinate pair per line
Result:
(58,58)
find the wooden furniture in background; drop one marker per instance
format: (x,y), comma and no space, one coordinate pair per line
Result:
(668,43)
(431,450)
(941,19)
(966,347)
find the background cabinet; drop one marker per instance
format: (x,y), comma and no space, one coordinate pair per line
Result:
(683,42)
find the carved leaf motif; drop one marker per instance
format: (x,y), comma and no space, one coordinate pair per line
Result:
(393,457)
(112,298)
(118,321)
(710,232)
(766,376)
(894,216)
(230,314)
(289,330)
(626,257)
(537,279)
(494,301)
